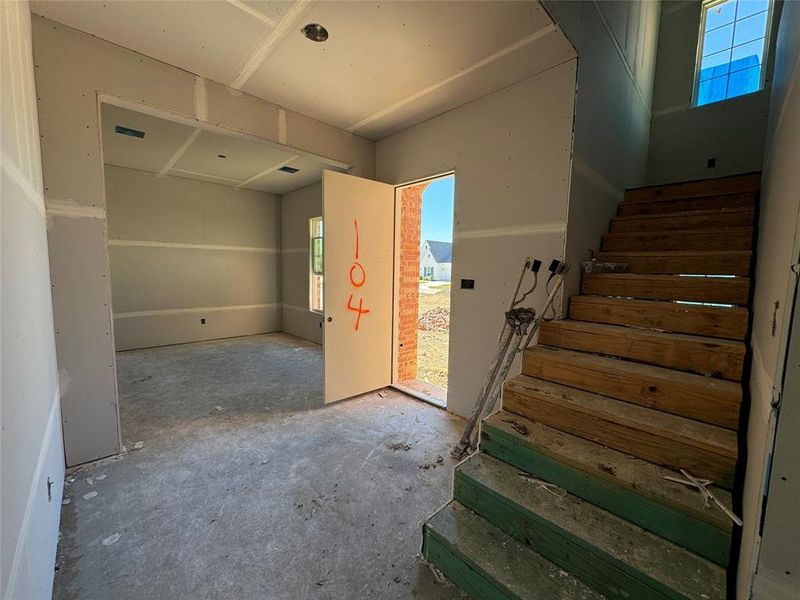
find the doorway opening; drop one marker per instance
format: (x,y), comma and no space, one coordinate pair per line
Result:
(424,267)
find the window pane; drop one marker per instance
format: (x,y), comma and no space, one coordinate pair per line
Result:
(751,7)
(712,90)
(715,65)
(747,55)
(720,14)
(744,82)
(316,256)
(718,40)
(750,29)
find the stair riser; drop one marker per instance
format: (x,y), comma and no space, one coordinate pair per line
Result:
(734,239)
(719,360)
(722,323)
(687,289)
(734,263)
(671,453)
(460,571)
(602,572)
(746,200)
(716,220)
(674,395)
(668,522)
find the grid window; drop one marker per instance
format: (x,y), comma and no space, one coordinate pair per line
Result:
(315,265)
(732,53)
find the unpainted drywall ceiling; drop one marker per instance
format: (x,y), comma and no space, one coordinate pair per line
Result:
(183,150)
(385,67)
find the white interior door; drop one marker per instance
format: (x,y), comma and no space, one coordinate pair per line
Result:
(358,221)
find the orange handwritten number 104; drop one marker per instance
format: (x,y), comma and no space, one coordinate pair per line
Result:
(358,277)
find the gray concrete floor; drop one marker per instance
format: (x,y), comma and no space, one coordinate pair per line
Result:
(247,486)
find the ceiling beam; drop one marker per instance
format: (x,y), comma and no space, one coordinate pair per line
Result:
(272,169)
(518,45)
(269,42)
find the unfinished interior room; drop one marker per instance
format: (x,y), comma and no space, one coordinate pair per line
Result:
(402,299)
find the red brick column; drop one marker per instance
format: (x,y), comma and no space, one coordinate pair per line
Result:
(410,220)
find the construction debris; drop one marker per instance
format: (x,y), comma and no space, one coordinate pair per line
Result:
(701,485)
(435,319)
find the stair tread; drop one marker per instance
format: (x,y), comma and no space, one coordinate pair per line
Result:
(641,476)
(729,322)
(686,213)
(694,396)
(628,545)
(730,238)
(700,188)
(701,253)
(685,204)
(675,262)
(680,351)
(498,557)
(679,232)
(680,429)
(722,290)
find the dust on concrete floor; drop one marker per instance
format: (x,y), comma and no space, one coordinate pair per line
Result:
(247,486)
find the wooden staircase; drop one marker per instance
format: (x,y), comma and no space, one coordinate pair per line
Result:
(568,497)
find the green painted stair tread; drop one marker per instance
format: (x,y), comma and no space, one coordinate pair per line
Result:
(611,554)
(629,487)
(609,464)
(487,563)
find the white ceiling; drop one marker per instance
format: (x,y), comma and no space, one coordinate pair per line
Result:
(386,66)
(181,150)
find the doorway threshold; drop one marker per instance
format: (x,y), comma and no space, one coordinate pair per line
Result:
(427,392)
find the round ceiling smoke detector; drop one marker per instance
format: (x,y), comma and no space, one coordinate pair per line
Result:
(315,32)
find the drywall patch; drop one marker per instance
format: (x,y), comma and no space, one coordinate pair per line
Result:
(589,173)
(32,195)
(282,126)
(180,152)
(200,99)
(269,42)
(183,311)
(148,244)
(538,229)
(72,210)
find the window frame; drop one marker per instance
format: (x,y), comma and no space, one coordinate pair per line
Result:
(312,274)
(705,6)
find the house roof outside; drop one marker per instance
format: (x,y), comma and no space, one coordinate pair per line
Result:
(442,252)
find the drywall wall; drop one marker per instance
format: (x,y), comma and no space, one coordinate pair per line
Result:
(616,44)
(682,137)
(72,70)
(776,280)
(31,458)
(190,260)
(296,209)
(510,152)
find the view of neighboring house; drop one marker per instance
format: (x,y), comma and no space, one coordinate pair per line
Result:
(435,259)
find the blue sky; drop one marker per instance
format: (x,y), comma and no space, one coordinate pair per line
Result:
(437,210)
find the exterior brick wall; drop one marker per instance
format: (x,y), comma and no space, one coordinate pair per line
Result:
(408,267)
